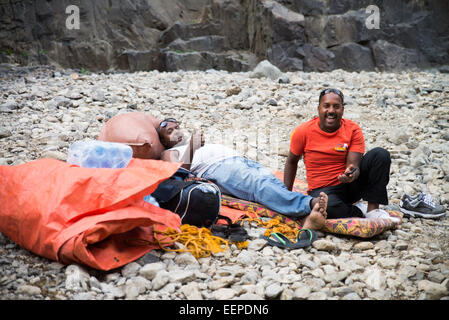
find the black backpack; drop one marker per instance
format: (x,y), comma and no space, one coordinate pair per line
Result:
(197,201)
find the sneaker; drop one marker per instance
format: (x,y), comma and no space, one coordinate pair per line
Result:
(362,206)
(409,197)
(380,214)
(421,206)
(376,213)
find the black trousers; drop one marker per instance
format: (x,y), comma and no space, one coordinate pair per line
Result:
(371,186)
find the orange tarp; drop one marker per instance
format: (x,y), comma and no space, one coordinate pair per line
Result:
(89,216)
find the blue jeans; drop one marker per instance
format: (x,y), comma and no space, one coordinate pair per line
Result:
(248,180)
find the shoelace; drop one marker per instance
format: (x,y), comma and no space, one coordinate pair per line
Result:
(427,199)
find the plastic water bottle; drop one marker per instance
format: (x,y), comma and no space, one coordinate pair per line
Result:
(99,154)
(150,199)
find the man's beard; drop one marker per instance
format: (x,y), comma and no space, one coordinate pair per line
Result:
(184,140)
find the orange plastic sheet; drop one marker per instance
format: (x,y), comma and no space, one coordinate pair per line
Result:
(89,216)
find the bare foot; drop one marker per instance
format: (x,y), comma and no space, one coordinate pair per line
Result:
(323,204)
(321,200)
(315,220)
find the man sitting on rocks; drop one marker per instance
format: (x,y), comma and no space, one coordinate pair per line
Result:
(238,176)
(333,150)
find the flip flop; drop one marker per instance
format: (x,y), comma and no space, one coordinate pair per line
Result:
(234,232)
(304,238)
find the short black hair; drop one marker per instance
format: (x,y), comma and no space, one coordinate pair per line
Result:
(329,90)
(159,127)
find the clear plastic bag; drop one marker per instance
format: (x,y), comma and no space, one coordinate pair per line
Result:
(99,154)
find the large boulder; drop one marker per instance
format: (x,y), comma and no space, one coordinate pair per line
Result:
(287,25)
(188,61)
(316,58)
(267,70)
(353,57)
(133,60)
(332,30)
(420,32)
(270,23)
(389,56)
(285,56)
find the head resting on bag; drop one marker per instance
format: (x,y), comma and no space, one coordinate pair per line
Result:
(136,129)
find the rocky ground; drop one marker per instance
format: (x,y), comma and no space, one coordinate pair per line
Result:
(43,111)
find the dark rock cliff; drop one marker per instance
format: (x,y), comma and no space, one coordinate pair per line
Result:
(168,35)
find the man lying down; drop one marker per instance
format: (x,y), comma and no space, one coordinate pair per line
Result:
(238,176)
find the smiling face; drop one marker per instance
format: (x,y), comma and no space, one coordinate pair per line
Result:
(330,112)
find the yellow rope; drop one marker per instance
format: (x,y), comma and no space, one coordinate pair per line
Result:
(198,241)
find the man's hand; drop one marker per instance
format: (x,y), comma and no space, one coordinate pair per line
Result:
(198,139)
(196,142)
(347,176)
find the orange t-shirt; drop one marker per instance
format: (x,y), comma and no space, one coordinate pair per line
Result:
(325,153)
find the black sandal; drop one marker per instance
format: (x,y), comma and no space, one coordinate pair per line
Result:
(304,238)
(234,232)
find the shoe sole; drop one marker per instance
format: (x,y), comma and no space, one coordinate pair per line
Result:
(422,215)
